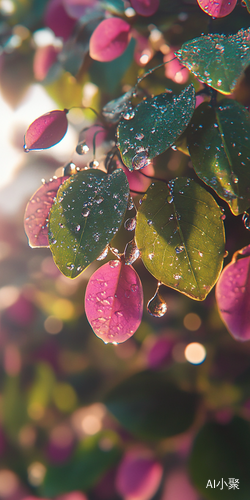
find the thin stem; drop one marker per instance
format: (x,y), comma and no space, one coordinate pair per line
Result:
(153,69)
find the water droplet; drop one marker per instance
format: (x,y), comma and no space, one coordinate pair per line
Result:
(177,276)
(130,204)
(78,227)
(139,136)
(134,287)
(246,220)
(150,222)
(85,211)
(219,82)
(140,160)
(82,148)
(96,236)
(174,148)
(151,256)
(70,266)
(104,253)
(170,199)
(225,254)
(99,200)
(179,249)
(93,164)
(130,224)
(157,306)
(131,252)
(235,179)
(114,263)
(69,169)
(129,114)
(223,216)
(200,254)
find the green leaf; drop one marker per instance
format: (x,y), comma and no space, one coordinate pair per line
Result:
(222,451)
(93,457)
(153,126)
(247,2)
(149,406)
(217,60)
(87,213)
(219,145)
(180,235)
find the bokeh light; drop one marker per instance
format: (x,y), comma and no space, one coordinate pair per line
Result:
(195,353)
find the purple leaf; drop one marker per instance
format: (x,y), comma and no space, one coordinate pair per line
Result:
(233,295)
(220,8)
(37,212)
(114,301)
(46,131)
(58,20)
(109,40)
(145,7)
(139,475)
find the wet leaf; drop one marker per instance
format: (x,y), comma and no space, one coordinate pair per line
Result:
(145,7)
(113,110)
(180,235)
(139,475)
(221,451)
(150,407)
(109,40)
(226,58)
(90,462)
(219,145)
(220,8)
(37,212)
(114,301)
(46,131)
(233,295)
(153,126)
(87,213)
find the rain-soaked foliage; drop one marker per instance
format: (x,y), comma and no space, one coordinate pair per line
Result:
(157,186)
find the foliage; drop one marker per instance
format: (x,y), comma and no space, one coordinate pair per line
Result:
(174,222)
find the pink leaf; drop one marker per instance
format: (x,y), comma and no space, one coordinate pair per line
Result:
(145,7)
(233,295)
(57,19)
(46,131)
(43,60)
(220,8)
(77,8)
(139,475)
(114,301)
(37,212)
(109,40)
(178,486)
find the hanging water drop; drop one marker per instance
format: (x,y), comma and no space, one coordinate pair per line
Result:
(157,306)
(129,114)
(104,253)
(130,224)
(130,204)
(93,164)
(140,160)
(85,211)
(179,249)
(131,252)
(82,148)
(69,169)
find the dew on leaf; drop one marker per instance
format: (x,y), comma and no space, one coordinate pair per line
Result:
(82,148)
(246,220)
(85,212)
(140,160)
(179,249)
(114,263)
(104,253)
(93,164)
(69,169)
(130,224)
(131,252)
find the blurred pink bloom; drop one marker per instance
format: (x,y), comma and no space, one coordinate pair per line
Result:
(77,8)
(174,70)
(57,19)
(178,487)
(44,58)
(143,51)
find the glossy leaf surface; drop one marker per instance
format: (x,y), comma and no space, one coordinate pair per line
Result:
(221,451)
(113,110)
(109,40)
(233,295)
(46,131)
(150,407)
(87,213)
(226,58)
(180,235)
(114,301)
(145,7)
(220,8)
(37,212)
(89,463)
(219,145)
(139,475)
(153,126)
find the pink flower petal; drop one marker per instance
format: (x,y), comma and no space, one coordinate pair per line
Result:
(37,212)
(57,19)
(43,60)
(220,8)
(46,131)
(109,40)
(233,295)
(114,301)
(145,7)
(139,475)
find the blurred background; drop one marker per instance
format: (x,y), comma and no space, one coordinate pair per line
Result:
(160,415)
